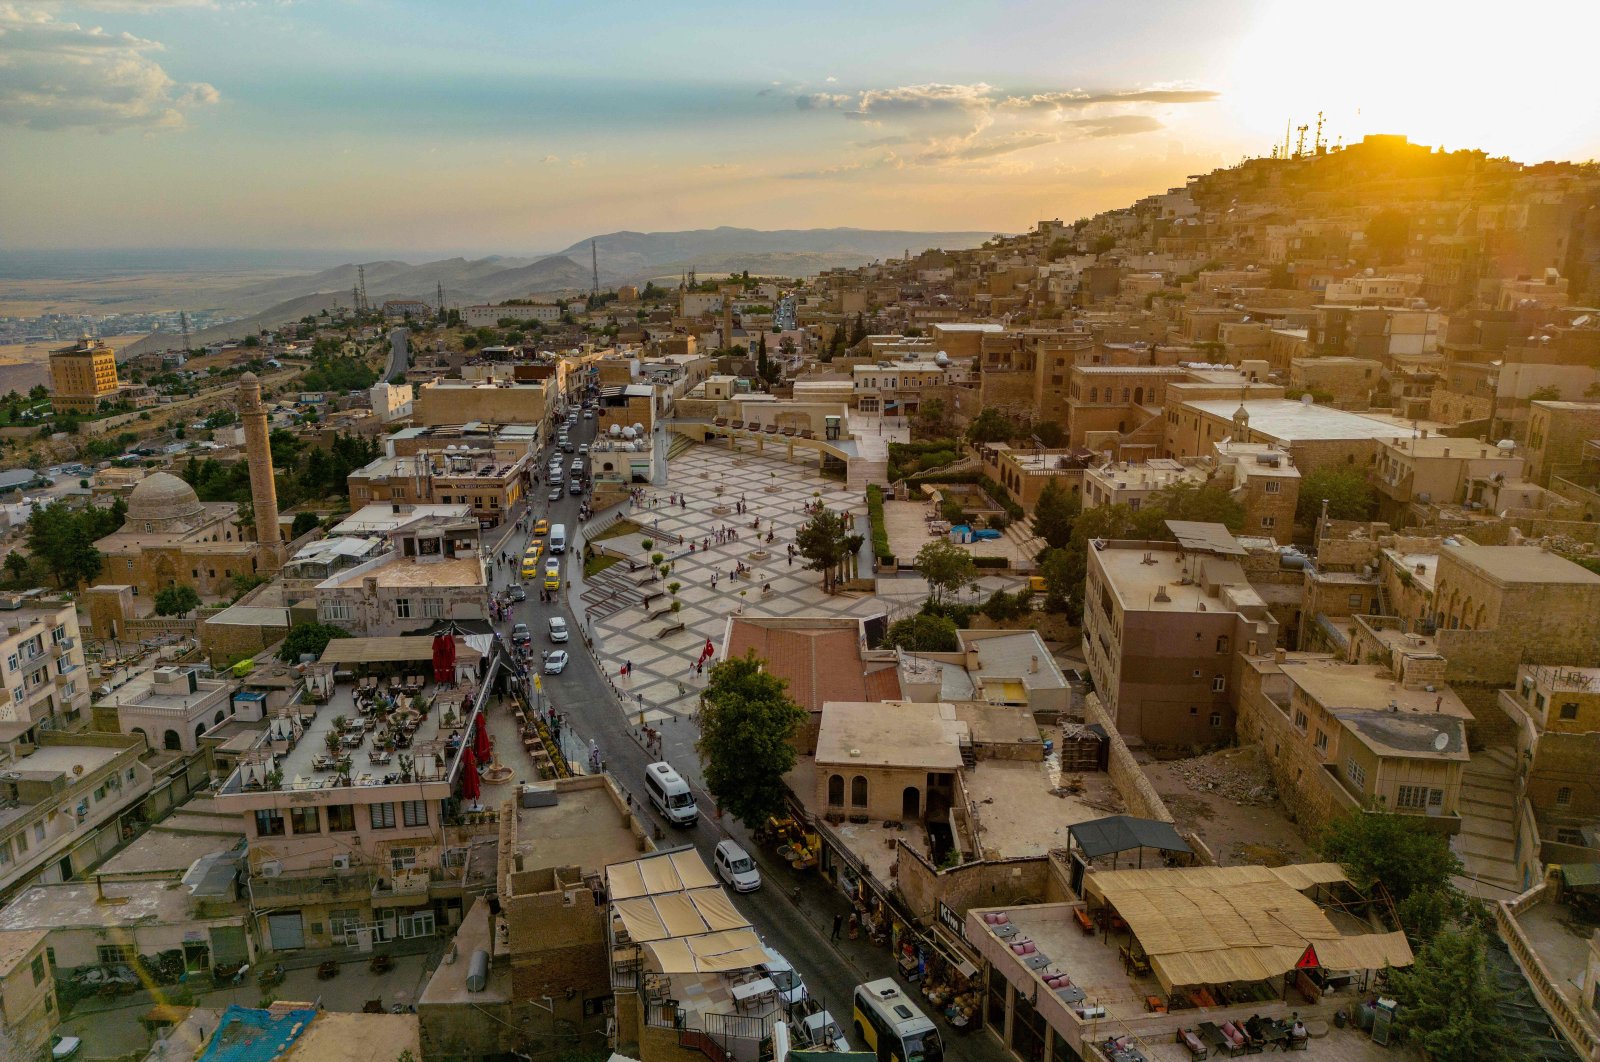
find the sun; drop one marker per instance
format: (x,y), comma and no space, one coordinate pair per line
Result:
(1510,80)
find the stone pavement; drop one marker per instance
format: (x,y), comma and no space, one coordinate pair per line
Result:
(621,626)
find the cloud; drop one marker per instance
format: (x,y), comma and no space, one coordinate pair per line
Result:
(138,7)
(1075,100)
(932,97)
(822,101)
(60,75)
(1115,125)
(972,150)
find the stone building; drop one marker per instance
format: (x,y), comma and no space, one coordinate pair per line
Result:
(1263,479)
(82,376)
(1557,432)
(171,537)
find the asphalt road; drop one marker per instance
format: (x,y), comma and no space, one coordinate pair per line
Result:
(792,911)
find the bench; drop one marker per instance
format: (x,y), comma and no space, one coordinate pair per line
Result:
(1085,923)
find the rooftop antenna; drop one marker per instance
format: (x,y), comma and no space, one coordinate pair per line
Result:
(1300,141)
(1319,145)
(594,263)
(441,298)
(1286,122)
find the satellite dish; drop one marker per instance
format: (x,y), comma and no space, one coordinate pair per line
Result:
(1440,741)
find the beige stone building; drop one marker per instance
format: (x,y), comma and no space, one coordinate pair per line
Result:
(1349,381)
(1557,710)
(492,480)
(1133,485)
(1025,473)
(1415,472)
(45,679)
(440,402)
(82,376)
(1557,434)
(432,571)
(27,991)
(171,537)
(1263,479)
(1315,436)
(1166,627)
(888,760)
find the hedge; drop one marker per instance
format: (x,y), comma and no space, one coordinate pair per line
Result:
(991,562)
(880,532)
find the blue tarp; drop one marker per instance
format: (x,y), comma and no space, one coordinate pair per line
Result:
(249,1035)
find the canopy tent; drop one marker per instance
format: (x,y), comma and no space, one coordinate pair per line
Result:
(1581,877)
(1214,925)
(390,650)
(1123,833)
(670,904)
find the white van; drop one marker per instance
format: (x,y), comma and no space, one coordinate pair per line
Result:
(558,538)
(670,794)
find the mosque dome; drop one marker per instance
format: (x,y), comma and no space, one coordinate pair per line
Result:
(162,500)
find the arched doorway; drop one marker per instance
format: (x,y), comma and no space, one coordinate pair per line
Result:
(836,790)
(218,718)
(858,792)
(172,742)
(910,804)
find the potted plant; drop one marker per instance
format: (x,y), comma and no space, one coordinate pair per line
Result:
(407,766)
(331,740)
(275,778)
(339,722)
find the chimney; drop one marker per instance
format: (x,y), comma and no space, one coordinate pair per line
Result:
(1161,593)
(972,663)
(1279,656)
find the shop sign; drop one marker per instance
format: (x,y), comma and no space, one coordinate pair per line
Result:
(951,921)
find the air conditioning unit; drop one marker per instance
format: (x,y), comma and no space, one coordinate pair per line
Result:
(341,862)
(271,868)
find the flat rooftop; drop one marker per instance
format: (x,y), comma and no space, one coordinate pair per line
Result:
(162,849)
(1021,809)
(1521,564)
(890,734)
(1444,446)
(395,570)
(377,519)
(587,827)
(1135,582)
(448,985)
(1291,421)
(71,905)
(1424,567)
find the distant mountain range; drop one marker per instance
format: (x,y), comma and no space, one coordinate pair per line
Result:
(624,257)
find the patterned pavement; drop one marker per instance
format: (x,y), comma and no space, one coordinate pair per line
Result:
(772,489)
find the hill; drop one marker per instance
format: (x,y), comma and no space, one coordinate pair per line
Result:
(633,255)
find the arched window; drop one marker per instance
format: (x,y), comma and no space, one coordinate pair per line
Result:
(171,741)
(199,728)
(218,718)
(836,790)
(858,792)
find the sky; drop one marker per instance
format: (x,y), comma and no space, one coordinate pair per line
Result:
(490,126)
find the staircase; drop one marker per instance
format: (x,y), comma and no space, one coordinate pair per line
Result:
(680,443)
(969,755)
(1486,844)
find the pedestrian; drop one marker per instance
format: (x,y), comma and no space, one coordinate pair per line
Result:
(838,924)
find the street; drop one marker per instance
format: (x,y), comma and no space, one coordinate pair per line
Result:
(793,911)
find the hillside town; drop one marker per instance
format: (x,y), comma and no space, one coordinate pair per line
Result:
(1169,634)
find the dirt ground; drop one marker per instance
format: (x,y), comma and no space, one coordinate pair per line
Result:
(1229,800)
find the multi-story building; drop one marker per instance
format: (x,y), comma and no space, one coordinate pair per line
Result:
(1166,626)
(1436,470)
(1025,473)
(1557,434)
(396,309)
(169,707)
(1348,383)
(497,401)
(27,992)
(1558,740)
(433,571)
(1343,738)
(82,376)
(45,679)
(346,826)
(491,316)
(895,388)
(491,480)
(1126,483)
(1263,479)
(1314,436)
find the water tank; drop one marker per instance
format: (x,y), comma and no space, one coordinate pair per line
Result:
(478,971)
(616,431)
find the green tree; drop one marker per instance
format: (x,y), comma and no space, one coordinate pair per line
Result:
(1401,851)
(746,720)
(858,330)
(1054,514)
(991,425)
(1056,570)
(309,639)
(64,540)
(16,565)
(947,567)
(761,356)
(1449,1003)
(177,600)
(1547,393)
(1203,504)
(932,420)
(923,633)
(825,542)
(1387,234)
(1347,491)
(303,522)
(1050,434)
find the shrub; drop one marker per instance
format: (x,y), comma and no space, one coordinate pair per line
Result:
(991,562)
(880,530)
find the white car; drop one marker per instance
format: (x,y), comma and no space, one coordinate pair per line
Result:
(555,661)
(735,867)
(558,629)
(65,1047)
(791,988)
(552,566)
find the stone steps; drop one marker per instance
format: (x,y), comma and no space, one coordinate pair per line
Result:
(1486,844)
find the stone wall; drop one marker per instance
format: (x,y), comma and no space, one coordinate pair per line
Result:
(1136,790)
(987,883)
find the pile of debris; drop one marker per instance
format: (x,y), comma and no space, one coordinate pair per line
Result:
(1239,775)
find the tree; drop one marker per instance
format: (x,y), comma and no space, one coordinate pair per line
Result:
(947,567)
(990,425)
(1202,504)
(1347,491)
(303,522)
(1401,851)
(1056,570)
(1050,434)
(746,720)
(1547,393)
(932,420)
(177,600)
(16,565)
(824,542)
(1054,514)
(761,356)
(1449,1003)
(309,639)
(64,540)
(858,330)
(923,633)
(1387,234)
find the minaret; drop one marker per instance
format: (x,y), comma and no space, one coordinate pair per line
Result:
(263,491)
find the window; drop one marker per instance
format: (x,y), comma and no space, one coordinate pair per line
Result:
(1218,684)
(402,858)
(5,852)
(336,611)
(342,922)
(1273,486)
(414,812)
(1568,835)
(99,793)
(1563,796)
(1355,600)
(433,607)
(1216,720)
(38,831)
(1569,710)
(402,608)
(113,954)
(132,774)
(22,843)
(268,823)
(1269,521)
(836,790)
(1222,643)
(382,816)
(304,820)
(1322,740)
(1355,772)
(37,968)
(858,791)
(12,663)
(1413,797)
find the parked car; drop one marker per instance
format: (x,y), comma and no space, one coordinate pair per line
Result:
(558,629)
(583,448)
(735,867)
(791,988)
(588,414)
(65,1047)
(520,635)
(555,661)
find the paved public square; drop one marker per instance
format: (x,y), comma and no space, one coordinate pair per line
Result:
(712,481)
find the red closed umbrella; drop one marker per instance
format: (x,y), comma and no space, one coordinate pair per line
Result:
(469,776)
(444,658)
(480,740)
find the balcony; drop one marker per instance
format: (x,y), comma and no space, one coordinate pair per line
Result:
(405,888)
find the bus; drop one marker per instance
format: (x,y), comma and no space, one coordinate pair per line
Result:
(890,1025)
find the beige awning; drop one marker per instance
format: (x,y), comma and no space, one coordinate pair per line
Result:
(670,903)
(662,872)
(736,949)
(678,914)
(398,649)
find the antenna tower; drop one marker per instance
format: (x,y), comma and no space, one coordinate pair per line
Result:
(361,289)
(1286,122)
(1300,141)
(594,263)
(1319,145)
(441,298)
